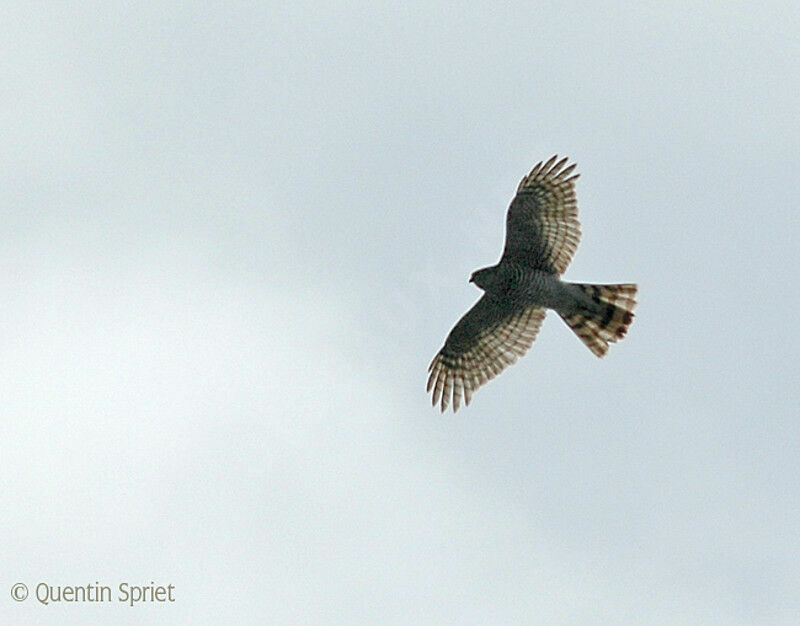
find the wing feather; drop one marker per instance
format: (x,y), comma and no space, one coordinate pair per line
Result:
(486,340)
(542,227)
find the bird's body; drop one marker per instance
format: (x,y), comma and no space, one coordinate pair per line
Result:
(542,234)
(524,286)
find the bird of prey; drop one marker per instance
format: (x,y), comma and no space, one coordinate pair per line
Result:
(542,234)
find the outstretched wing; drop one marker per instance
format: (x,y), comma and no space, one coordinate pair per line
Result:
(482,344)
(542,228)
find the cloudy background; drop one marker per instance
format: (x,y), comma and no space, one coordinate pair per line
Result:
(233,238)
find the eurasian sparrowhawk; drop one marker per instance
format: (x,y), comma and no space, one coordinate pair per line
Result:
(542,234)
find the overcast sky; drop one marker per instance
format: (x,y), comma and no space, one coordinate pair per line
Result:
(233,238)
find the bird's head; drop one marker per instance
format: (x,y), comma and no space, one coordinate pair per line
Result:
(484,278)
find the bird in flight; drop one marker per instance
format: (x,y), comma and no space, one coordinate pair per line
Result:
(542,234)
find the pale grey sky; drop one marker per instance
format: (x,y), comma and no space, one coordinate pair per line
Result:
(233,238)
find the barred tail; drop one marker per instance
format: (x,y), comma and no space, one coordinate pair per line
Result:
(609,323)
